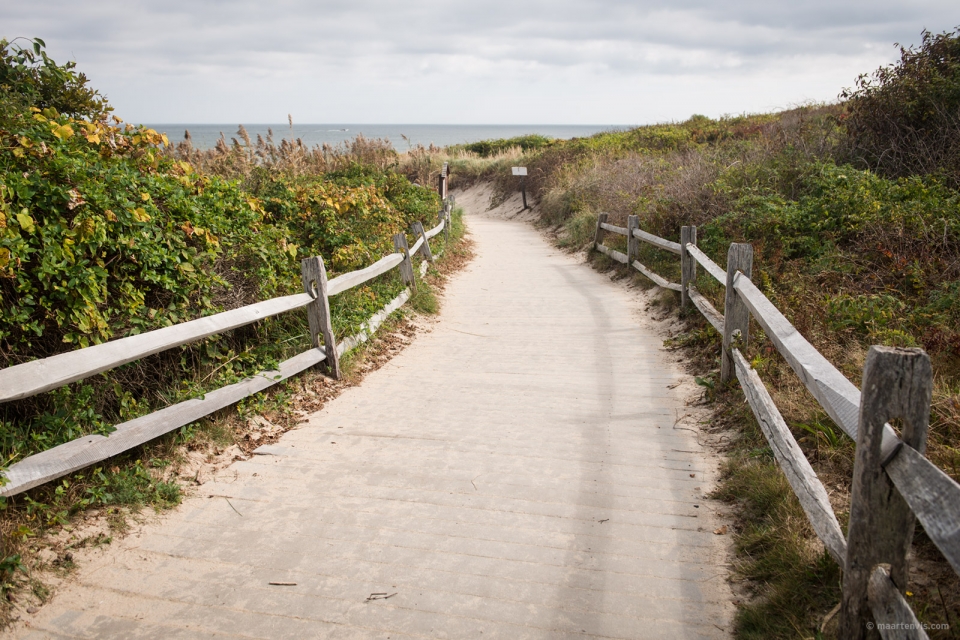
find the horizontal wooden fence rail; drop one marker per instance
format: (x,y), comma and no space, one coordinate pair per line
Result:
(672,247)
(30,378)
(708,264)
(874,551)
(629,259)
(356,278)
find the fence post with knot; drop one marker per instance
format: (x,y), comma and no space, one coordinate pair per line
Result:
(417,230)
(406,267)
(688,264)
(633,243)
(314,277)
(897,385)
(736,322)
(598,238)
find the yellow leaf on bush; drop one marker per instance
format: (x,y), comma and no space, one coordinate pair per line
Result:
(140,214)
(111,216)
(4,257)
(144,196)
(86,228)
(26,222)
(63,132)
(186,266)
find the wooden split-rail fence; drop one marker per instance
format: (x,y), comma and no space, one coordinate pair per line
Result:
(894,484)
(34,377)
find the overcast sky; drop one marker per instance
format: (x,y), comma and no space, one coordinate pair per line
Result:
(481,61)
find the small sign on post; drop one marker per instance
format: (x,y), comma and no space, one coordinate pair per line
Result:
(522,172)
(442,186)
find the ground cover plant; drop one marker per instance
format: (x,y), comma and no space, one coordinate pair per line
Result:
(107,230)
(853,211)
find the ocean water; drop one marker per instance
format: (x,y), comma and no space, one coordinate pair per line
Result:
(205,136)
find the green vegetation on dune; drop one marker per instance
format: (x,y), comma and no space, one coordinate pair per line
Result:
(853,210)
(107,231)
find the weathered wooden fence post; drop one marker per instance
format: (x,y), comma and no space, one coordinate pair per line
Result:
(897,384)
(442,217)
(598,238)
(688,264)
(445,214)
(633,243)
(736,314)
(406,267)
(417,230)
(314,277)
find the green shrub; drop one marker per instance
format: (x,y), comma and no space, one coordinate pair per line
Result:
(103,234)
(487,148)
(905,118)
(101,237)
(29,78)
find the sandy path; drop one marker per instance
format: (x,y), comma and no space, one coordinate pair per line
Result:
(513,473)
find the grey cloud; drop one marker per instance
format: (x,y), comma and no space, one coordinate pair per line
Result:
(301,48)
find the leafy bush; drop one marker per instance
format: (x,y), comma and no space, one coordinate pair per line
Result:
(29,78)
(905,118)
(100,236)
(105,234)
(487,148)
(349,216)
(883,251)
